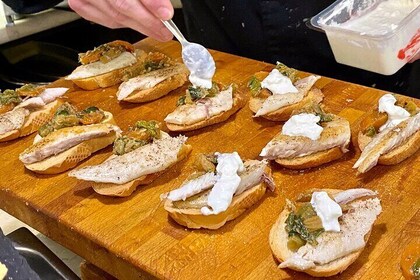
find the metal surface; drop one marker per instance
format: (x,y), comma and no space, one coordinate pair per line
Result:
(41,259)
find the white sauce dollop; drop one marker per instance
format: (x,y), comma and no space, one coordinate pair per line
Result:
(396,114)
(277,83)
(228,180)
(303,125)
(327,210)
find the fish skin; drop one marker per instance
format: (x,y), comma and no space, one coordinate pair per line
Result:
(145,160)
(202,109)
(336,133)
(148,80)
(385,141)
(64,139)
(277,101)
(13,120)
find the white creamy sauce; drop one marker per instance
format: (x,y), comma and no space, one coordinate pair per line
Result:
(277,83)
(384,18)
(327,210)
(227,182)
(201,65)
(98,68)
(303,125)
(396,114)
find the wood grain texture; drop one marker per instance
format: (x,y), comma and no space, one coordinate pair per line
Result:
(133,238)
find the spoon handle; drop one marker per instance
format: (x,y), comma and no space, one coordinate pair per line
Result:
(174,30)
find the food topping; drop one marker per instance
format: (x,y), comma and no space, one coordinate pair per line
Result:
(277,83)
(228,180)
(303,125)
(196,93)
(91,115)
(106,52)
(67,116)
(327,210)
(8,99)
(303,226)
(143,133)
(30,90)
(254,85)
(410,260)
(396,114)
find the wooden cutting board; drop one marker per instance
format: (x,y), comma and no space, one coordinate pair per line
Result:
(133,237)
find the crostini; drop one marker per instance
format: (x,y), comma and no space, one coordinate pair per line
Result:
(222,188)
(201,107)
(275,95)
(140,156)
(309,139)
(389,134)
(20,117)
(324,232)
(106,65)
(70,137)
(159,76)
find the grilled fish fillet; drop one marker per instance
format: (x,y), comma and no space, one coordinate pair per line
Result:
(149,80)
(336,133)
(203,109)
(13,120)
(253,174)
(145,160)
(354,225)
(277,101)
(63,139)
(385,142)
(47,96)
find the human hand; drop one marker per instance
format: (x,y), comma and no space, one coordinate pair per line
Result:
(141,15)
(416,57)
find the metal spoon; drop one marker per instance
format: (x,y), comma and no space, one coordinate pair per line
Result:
(196,57)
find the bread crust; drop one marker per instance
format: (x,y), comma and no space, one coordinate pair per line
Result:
(70,158)
(239,100)
(105,80)
(278,244)
(311,160)
(124,190)
(161,89)
(409,147)
(193,218)
(315,95)
(33,122)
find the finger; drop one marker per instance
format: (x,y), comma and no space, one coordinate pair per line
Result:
(161,9)
(134,15)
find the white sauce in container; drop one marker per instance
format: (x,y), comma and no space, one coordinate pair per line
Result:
(384,18)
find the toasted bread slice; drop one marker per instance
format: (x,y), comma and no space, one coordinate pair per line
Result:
(396,155)
(278,242)
(34,121)
(127,189)
(193,218)
(239,100)
(161,89)
(105,80)
(315,95)
(312,160)
(71,157)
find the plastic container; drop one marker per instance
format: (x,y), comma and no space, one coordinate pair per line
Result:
(385,52)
